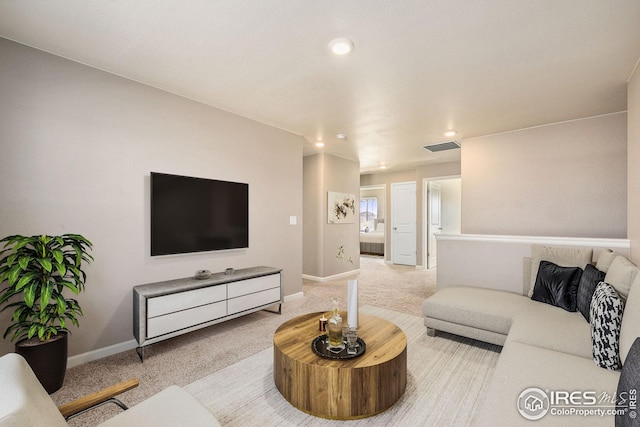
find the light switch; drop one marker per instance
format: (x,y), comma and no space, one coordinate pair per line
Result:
(293,220)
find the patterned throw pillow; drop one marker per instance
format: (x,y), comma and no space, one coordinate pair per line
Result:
(606,317)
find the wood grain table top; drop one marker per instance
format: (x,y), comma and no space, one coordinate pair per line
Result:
(384,340)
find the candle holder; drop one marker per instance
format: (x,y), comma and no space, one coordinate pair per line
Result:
(322,324)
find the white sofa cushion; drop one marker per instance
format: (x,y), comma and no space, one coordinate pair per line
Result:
(173,406)
(630,329)
(550,327)
(23,400)
(605,259)
(522,366)
(481,308)
(621,274)
(564,257)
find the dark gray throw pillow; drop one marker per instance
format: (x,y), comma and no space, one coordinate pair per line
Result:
(557,285)
(628,385)
(589,279)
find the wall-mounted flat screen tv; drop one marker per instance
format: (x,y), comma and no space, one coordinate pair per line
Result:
(197,215)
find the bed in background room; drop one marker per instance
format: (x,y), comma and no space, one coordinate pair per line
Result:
(372,241)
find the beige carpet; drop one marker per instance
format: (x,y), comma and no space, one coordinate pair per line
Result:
(446,379)
(186,359)
(396,287)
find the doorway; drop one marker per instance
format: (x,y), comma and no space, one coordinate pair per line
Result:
(372,220)
(441,211)
(403,223)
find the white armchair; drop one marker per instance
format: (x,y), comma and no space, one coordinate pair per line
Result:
(24,402)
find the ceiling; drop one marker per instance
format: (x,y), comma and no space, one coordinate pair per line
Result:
(418,67)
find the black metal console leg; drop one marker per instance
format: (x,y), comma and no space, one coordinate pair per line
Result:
(275,312)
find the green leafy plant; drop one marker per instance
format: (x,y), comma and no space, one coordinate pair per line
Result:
(40,268)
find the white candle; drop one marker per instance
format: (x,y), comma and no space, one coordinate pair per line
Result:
(352,303)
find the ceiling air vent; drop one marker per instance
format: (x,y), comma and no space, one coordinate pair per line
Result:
(443,146)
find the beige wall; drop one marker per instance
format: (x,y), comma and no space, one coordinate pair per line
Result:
(313,215)
(77,148)
(633,174)
(567,179)
(324,173)
(413,175)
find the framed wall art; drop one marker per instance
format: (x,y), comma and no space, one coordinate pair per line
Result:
(341,208)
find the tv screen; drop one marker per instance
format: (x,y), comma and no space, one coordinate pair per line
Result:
(196,215)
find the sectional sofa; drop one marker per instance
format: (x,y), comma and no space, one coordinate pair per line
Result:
(556,336)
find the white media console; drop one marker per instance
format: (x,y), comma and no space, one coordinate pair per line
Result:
(167,309)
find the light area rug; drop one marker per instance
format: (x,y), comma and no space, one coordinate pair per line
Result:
(446,378)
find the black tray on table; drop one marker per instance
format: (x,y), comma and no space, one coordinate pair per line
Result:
(319,347)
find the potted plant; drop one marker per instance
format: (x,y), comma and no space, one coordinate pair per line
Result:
(34,272)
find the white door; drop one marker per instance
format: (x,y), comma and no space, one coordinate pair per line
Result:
(403,223)
(434,221)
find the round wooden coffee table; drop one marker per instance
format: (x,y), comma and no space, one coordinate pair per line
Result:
(340,389)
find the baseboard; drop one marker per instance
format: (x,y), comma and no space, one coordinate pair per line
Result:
(417,266)
(293,296)
(92,355)
(100,353)
(329,278)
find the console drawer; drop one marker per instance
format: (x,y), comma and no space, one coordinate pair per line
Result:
(256,284)
(183,319)
(257,299)
(166,304)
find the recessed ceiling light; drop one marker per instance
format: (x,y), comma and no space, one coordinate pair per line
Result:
(383,167)
(341,136)
(319,144)
(341,46)
(450,133)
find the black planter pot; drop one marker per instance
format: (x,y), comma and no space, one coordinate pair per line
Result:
(48,359)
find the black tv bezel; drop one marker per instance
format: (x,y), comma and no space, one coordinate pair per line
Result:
(177,253)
